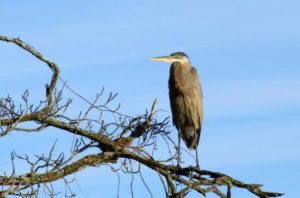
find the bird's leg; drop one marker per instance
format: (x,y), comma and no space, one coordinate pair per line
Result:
(178,150)
(197,159)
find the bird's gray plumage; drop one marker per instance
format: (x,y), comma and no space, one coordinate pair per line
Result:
(186,102)
(185,98)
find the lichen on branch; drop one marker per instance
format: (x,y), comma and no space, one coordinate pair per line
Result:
(124,143)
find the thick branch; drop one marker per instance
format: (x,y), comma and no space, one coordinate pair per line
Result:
(117,145)
(167,170)
(33,178)
(71,128)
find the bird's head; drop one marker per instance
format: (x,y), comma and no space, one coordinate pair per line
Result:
(174,57)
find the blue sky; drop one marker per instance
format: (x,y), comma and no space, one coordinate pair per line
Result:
(246,52)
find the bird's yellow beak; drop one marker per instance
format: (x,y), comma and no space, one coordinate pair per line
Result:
(167,59)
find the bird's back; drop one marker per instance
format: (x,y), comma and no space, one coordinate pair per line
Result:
(186,103)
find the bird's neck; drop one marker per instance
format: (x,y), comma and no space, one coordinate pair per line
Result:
(182,67)
(179,75)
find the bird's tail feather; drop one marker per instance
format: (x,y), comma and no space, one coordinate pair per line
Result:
(191,137)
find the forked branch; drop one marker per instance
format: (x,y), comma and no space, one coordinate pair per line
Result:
(125,144)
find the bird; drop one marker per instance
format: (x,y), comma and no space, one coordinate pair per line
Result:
(186,100)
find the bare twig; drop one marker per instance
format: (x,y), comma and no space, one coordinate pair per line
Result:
(125,144)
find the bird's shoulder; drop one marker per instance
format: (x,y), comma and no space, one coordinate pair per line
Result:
(194,71)
(194,75)
(196,80)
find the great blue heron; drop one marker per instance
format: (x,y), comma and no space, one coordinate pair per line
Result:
(185,99)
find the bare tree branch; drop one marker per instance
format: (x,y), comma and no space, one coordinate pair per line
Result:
(125,144)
